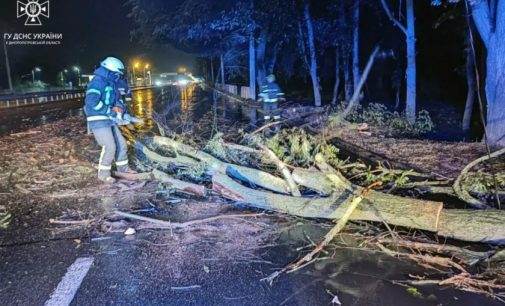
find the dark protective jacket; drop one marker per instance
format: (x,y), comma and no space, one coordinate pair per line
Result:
(271,92)
(101,96)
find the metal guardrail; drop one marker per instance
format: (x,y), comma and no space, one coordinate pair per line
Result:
(38,98)
(8,101)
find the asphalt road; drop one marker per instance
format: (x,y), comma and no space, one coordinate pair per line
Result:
(149,269)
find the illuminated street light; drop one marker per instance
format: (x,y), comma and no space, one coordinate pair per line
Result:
(136,65)
(62,76)
(147,74)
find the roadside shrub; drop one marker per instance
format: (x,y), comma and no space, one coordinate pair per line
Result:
(392,123)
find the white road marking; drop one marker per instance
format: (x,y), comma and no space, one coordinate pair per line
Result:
(67,288)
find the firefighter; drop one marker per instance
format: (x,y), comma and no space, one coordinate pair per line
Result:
(103,107)
(270,95)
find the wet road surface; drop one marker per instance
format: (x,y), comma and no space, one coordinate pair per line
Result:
(133,271)
(219,264)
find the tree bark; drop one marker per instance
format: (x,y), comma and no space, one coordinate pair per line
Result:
(475,226)
(181,186)
(410,40)
(347,77)
(223,79)
(495,91)
(273,60)
(355,46)
(468,225)
(336,87)
(470,91)
(313,56)
(252,67)
(491,27)
(260,58)
(212,71)
(410,109)
(355,97)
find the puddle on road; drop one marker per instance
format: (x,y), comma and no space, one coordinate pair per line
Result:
(224,262)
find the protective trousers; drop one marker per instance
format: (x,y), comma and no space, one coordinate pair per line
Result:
(114,147)
(270,111)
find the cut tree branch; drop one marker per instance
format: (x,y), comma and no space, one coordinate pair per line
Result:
(463,193)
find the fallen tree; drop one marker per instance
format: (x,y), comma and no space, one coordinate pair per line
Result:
(270,192)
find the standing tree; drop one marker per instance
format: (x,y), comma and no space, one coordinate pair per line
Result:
(471,83)
(489,19)
(356,74)
(312,54)
(252,67)
(410,38)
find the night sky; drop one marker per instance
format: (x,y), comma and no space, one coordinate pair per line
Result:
(92,29)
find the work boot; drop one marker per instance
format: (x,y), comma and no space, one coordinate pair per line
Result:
(126,173)
(126,170)
(105,177)
(107,180)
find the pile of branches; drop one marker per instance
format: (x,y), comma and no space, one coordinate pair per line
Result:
(299,173)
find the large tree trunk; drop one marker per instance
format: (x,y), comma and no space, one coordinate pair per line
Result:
(491,26)
(476,226)
(273,60)
(223,79)
(336,194)
(470,91)
(252,67)
(495,93)
(336,87)
(410,110)
(354,101)
(495,88)
(260,58)
(356,74)
(313,56)
(347,77)
(212,71)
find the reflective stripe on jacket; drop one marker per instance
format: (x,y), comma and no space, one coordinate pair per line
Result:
(100,95)
(271,92)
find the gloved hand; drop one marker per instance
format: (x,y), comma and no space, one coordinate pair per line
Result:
(132,119)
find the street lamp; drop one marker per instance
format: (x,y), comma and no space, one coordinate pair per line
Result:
(35,69)
(136,65)
(78,71)
(146,72)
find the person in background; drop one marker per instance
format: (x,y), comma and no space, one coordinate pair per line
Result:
(270,94)
(124,89)
(104,111)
